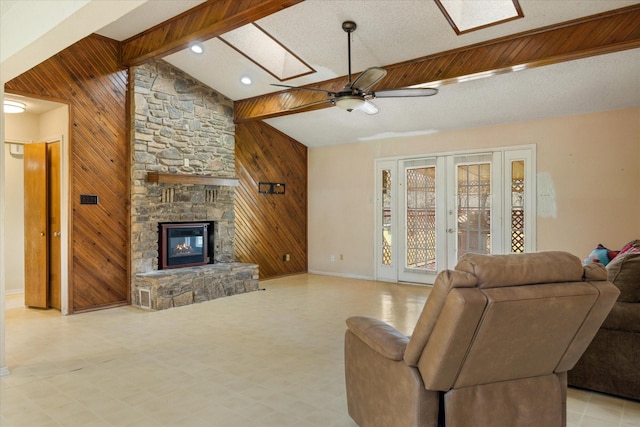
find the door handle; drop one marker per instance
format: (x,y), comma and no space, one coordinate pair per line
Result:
(451,230)
(56,234)
(42,234)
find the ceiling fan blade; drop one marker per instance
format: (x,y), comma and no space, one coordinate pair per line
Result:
(305,88)
(310,104)
(369,108)
(368,78)
(403,92)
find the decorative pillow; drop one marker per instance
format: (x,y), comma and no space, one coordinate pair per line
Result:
(624,272)
(599,254)
(633,246)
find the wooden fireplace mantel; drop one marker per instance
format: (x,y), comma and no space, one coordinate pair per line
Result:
(181,178)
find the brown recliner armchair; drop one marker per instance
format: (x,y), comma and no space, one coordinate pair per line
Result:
(491,347)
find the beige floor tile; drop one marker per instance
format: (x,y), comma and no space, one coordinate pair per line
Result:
(268,358)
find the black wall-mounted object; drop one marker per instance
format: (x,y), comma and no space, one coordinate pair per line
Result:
(88,199)
(271,188)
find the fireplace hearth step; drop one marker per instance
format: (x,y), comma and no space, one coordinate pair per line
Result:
(162,289)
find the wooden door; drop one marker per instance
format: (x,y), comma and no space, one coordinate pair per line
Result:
(36,262)
(53,186)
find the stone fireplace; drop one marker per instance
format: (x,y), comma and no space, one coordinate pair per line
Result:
(182,129)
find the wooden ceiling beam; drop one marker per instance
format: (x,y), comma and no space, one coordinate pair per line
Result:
(203,22)
(607,32)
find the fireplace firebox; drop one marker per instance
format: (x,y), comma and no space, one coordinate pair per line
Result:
(185,244)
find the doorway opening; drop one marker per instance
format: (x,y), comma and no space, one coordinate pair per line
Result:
(432,210)
(36,263)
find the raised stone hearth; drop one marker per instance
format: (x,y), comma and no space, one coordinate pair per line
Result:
(159,290)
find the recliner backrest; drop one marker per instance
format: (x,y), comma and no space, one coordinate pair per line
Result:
(505,317)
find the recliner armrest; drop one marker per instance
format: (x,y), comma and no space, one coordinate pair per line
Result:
(381,337)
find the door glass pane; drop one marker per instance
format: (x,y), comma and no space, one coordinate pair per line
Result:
(517,206)
(421,218)
(474,208)
(386,217)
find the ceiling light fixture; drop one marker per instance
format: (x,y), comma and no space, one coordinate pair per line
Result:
(350,102)
(196,48)
(246,80)
(14,107)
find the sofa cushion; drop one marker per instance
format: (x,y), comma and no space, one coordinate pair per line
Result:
(624,272)
(624,317)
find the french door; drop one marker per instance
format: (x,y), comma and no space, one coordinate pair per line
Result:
(430,211)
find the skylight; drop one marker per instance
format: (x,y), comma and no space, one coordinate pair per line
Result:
(266,52)
(470,15)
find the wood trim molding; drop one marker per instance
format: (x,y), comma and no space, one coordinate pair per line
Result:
(201,23)
(177,178)
(599,34)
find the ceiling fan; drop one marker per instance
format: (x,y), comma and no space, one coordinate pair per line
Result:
(356,95)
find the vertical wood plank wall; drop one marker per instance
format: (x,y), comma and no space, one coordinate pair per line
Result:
(269,226)
(88,77)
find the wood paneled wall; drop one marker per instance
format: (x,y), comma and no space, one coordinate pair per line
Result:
(268,226)
(88,77)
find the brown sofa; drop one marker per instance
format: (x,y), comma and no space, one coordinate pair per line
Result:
(611,363)
(491,347)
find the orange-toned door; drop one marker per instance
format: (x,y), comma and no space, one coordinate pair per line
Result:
(36,263)
(53,188)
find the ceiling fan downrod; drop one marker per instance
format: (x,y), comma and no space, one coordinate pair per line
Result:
(349,27)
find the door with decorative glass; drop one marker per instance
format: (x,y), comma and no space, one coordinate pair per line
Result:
(421,202)
(431,211)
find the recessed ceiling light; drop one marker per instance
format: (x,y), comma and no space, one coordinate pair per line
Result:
(14,107)
(245,80)
(196,48)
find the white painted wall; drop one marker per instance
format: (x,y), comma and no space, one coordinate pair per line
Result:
(22,128)
(588,179)
(4,370)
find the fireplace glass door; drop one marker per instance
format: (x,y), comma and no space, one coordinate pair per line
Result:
(183,245)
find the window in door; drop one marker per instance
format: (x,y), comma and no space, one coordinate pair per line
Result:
(474,208)
(386,217)
(420,222)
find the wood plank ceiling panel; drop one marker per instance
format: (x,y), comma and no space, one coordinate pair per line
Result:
(595,35)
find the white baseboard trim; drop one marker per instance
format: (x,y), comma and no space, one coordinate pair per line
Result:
(4,371)
(346,276)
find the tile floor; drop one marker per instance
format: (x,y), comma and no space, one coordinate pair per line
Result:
(267,358)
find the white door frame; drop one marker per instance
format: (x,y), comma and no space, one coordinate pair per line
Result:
(501,197)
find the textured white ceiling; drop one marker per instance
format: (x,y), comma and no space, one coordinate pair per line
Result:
(392,31)
(588,85)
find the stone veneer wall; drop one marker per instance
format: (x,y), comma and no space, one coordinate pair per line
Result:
(177,118)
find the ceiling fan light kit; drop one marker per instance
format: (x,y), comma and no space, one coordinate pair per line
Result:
(349,102)
(355,95)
